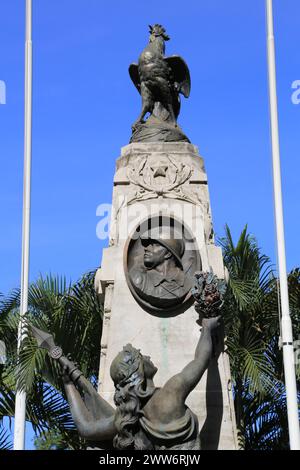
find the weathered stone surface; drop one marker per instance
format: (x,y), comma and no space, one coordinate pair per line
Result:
(170,341)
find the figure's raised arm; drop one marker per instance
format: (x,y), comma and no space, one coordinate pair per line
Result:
(169,402)
(186,380)
(92,415)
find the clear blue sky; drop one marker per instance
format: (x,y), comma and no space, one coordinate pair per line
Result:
(84,104)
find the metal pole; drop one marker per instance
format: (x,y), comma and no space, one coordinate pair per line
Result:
(20,405)
(286,324)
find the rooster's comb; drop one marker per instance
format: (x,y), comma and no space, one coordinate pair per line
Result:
(158,30)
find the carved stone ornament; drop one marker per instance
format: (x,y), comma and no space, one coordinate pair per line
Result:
(163,178)
(160,260)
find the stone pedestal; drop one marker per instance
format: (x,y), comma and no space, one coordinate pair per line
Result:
(165,179)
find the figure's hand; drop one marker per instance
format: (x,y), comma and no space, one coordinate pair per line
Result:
(211,324)
(65,375)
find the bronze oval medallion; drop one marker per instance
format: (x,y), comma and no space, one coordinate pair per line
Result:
(160,260)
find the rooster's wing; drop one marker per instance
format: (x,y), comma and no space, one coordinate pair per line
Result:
(135,76)
(181,74)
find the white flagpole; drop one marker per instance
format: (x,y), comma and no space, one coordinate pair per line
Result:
(286,324)
(20,405)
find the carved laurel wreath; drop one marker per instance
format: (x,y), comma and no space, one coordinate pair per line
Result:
(174,174)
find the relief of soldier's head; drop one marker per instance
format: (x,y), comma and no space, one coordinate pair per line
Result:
(161,245)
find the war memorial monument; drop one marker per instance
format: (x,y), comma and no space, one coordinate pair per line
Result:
(162,283)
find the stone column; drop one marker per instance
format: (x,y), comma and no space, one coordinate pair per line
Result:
(166,179)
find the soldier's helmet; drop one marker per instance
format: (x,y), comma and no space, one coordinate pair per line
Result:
(167,237)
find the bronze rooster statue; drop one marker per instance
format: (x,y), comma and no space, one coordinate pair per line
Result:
(159,80)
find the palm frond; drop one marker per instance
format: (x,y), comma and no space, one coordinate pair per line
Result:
(73,314)
(5,440)
(251,320)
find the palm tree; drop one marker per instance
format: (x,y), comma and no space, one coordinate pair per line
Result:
(73,314)
(252,340)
